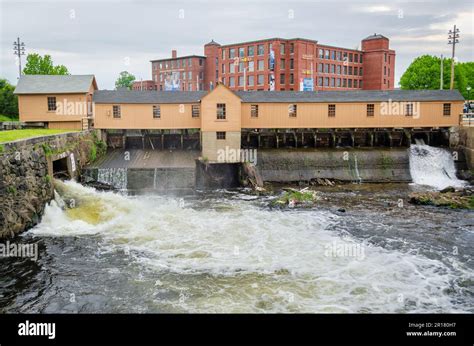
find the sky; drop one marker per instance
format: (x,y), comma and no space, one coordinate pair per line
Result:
(105,37)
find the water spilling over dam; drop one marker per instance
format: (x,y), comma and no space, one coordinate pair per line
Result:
(433,166)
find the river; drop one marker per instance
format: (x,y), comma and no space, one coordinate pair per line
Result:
(362,248)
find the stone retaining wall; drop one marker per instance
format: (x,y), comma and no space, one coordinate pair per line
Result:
(26,174)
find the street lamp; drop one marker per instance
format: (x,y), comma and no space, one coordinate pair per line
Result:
(468,88)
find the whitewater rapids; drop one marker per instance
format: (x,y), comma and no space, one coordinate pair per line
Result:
(236,255)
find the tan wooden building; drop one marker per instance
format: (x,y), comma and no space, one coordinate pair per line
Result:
(223,116)
(59,102)
(226,119)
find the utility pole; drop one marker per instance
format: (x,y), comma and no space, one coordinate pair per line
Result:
(453,39)
(441,72)
(19,50)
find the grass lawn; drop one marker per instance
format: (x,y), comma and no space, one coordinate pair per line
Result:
(13,135)
(7,118)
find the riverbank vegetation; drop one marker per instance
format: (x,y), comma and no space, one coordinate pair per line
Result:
(293,198)
(13,135)
(463,199)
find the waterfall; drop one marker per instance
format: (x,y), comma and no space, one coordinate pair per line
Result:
(116,177)
(432,166)
(356,169)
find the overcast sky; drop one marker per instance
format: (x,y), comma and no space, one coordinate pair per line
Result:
(104,37)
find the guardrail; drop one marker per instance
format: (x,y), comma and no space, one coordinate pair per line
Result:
(466,119)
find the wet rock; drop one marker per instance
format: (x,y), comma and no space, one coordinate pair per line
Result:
(292,198)
(453,200)
(322,182)
(341,210)
(447,189)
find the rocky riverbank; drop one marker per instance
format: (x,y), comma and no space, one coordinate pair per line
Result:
(26,172)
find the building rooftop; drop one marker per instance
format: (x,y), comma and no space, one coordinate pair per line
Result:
(179,57)
(147,96)
(58,84)
(268,39)
(212,43)
(128,96)
(374,37)
(350,96)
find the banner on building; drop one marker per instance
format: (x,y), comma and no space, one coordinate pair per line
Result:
(308,84)
(271,82)
(271,60)
(172,81)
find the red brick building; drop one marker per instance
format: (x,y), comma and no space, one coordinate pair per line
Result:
(144,85)
(179,73)
(281,64)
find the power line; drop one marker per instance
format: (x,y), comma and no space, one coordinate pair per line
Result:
(19,50)
(453,36)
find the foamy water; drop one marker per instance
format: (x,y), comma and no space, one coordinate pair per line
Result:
(433,167)
(234,255)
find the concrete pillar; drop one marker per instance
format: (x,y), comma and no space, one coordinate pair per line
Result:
(408,137)
(162,140)
(182,140)
(277,140)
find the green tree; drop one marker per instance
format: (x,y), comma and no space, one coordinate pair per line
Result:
(125,80)
(8,101)
(424,73)
(36,64)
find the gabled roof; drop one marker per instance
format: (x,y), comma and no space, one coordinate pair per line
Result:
(54,84)
(147,96)
(173,97)
(349,96)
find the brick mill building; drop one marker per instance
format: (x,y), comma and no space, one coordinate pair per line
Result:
(278,64)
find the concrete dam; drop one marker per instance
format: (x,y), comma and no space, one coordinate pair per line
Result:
(138,169)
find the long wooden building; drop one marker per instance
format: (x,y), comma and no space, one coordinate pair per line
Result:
(223,118)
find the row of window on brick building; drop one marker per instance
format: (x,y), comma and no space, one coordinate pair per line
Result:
(178,63)
(322,53)
(230,52)
(322,81)
(184,76)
